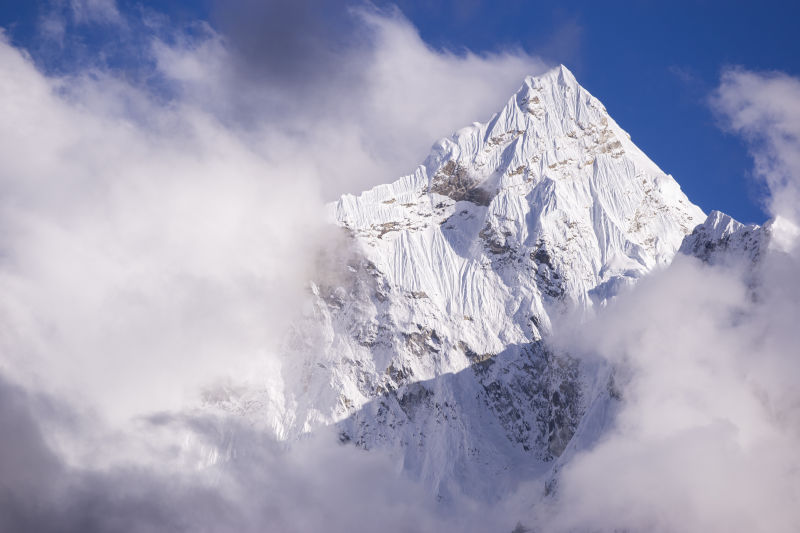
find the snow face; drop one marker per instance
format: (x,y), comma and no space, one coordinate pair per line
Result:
(431,341)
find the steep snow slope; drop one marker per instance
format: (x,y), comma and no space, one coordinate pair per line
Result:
(428,340)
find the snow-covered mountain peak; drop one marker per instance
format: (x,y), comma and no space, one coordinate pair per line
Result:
(721,223)
(553,171)
(558,75)
(550,120)
(432,342)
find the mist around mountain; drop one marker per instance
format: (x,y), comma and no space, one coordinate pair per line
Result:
(534,329)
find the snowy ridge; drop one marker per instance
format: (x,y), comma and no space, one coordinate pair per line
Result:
(721,239)
(430,340)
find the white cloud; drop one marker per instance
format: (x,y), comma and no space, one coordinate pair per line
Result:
(140,253)
(153,241)
(370,118)
(704,437)
(764,107)
(159,478)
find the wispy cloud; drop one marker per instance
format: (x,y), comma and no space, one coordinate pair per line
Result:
(374,101)
(764,107)
(95,11)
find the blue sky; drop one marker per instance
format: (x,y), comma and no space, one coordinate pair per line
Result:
(653,64)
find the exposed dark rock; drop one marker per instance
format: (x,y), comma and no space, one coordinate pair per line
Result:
(537,397)
(453,181)
(472,355)
(542,256)
(495,242)
(423,341)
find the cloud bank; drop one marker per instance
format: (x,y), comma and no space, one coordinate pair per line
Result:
(159,221)
(258,485)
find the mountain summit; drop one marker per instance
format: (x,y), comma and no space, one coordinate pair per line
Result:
(432,341)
